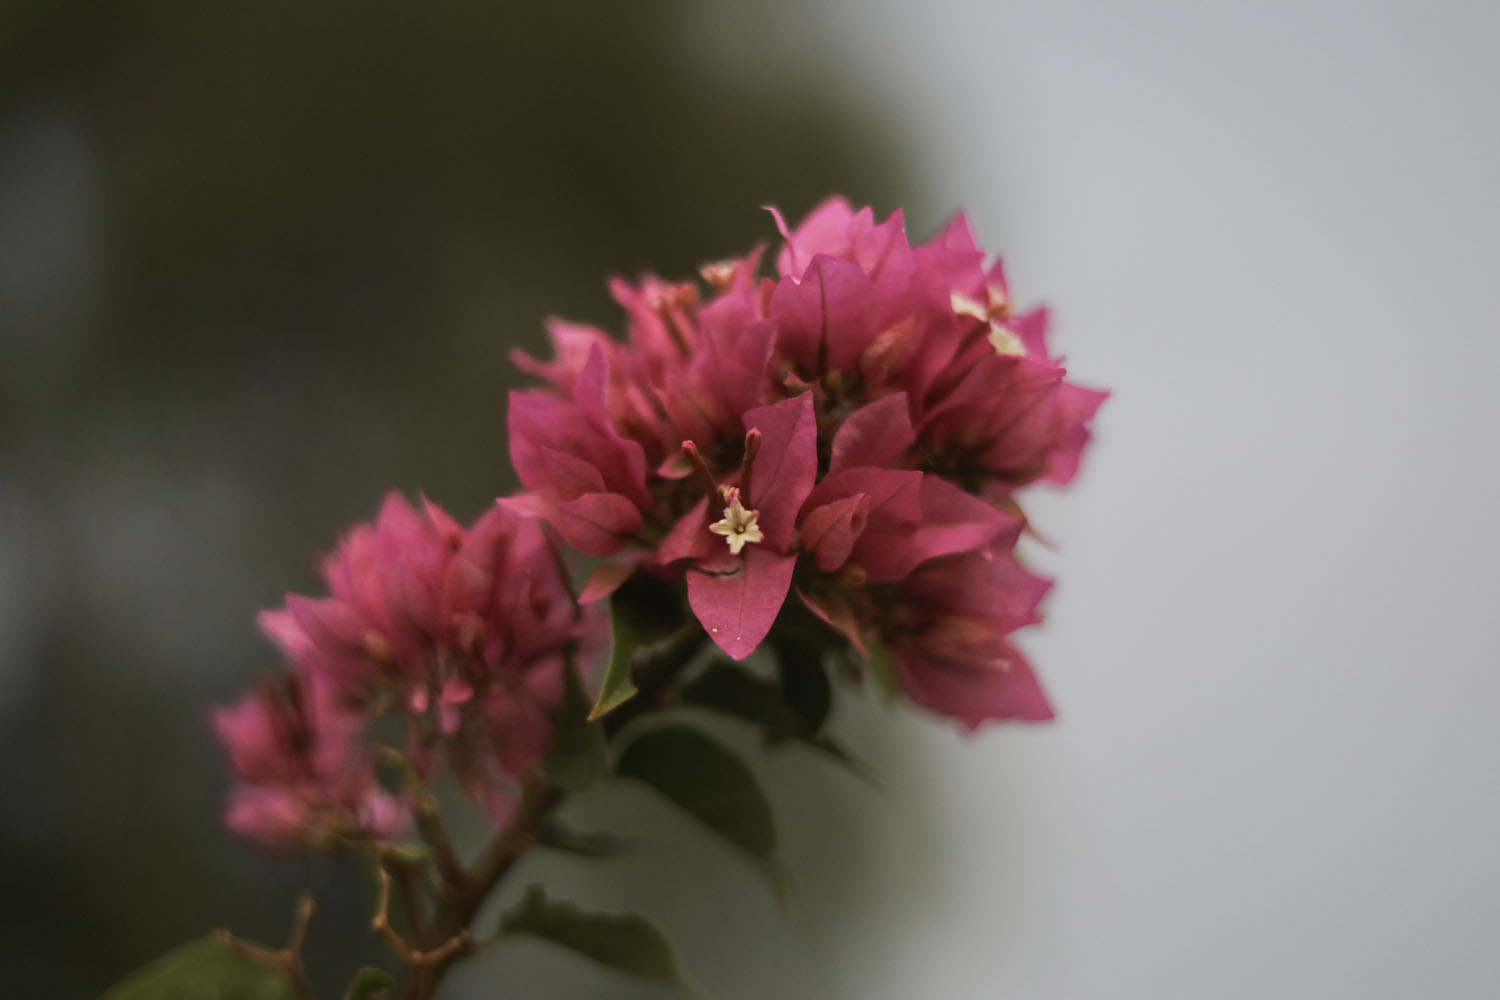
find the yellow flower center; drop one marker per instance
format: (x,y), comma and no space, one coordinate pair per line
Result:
(738,526)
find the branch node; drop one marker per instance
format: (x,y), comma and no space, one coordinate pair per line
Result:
(415,957)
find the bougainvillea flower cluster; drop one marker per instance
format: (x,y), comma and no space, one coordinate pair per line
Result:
(850,433)
(847,436)
(463,634)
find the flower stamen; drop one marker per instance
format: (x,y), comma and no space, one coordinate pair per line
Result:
(738,525)
(994,311)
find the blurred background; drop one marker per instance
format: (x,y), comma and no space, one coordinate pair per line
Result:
(261,263)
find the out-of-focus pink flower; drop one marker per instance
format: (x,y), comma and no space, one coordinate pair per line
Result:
(305,777)
(386,584)
(511,623)
(463,633)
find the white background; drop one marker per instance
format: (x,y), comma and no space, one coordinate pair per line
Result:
(1272,230)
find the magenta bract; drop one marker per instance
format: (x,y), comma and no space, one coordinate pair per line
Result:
(856,428)
(901,401)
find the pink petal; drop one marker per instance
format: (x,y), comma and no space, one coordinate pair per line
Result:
(993,587)
(785,467)
(280,626)
(529,416)
(824,318)
(737,600)
(1031,327)
(977,693)
(627,469)
(273,815)
(830,531)
(824,230)
(690,538)
(1076,406)
(249,735)
(876,435)
(597,524)
(895,504)
(526,505)
(696,412)
(952,521)
(571,345)
(605,581)
(593,380)
(571,476)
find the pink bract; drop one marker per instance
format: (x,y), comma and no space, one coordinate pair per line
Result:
(304,775)
(857,428)
(463,633)
(902,400)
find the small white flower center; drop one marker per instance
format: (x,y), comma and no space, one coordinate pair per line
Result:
(1004,341)
(994,311)
(738,526)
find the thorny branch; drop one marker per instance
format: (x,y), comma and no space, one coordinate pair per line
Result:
(287,960)
(412,956)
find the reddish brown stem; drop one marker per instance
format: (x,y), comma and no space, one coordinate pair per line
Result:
(468,892)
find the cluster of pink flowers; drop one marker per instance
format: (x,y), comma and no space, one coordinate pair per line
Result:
(849,434)
(853,430)
(462,634)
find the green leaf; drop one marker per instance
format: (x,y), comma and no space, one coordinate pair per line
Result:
(835,750)
(731,690)
(734,691)
(625,942)
(804,684)
(617,688)
(206,969)
(883,670)
(644,610)
(407,852)
(578,758)
(712,785)
(586,845)
(371,983)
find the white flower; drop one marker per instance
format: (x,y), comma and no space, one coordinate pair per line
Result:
(738,525)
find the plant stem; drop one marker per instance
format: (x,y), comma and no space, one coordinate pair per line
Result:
(468,890)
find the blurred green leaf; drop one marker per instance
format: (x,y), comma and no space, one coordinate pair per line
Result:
(654,605)
(206,969)
(835,750)
(408,852)
(804,683)
(578,758)
(370,983)
(586,845)
(642,611)
(711,784)
(883,671)
(625,942)
(617,688)
(731,690)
